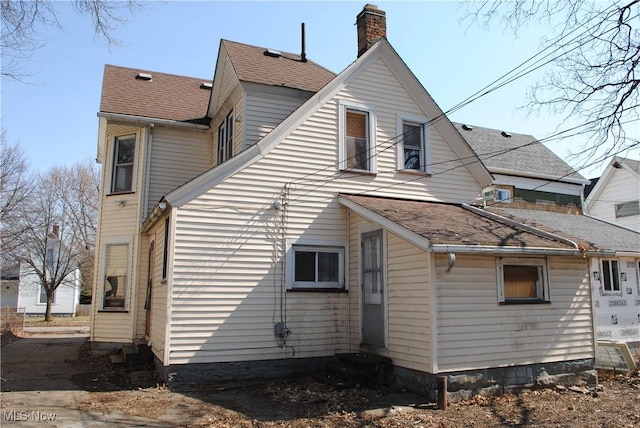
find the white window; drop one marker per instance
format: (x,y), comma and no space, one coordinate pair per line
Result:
(315,267)
(502,195)
(123,164)
(413,144)
(116,277)
(357,138)
(42,296)
(225,138)
(522,280)
(610,276)
(626,209)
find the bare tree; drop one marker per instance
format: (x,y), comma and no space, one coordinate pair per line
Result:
(594,53)
(58,223)
(15,187)
(22,20)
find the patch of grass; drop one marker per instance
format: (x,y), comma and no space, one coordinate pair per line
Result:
(57,321)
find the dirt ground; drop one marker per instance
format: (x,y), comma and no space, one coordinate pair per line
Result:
(308,402)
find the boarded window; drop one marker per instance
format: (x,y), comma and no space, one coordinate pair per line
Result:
(357,140)
(523,280)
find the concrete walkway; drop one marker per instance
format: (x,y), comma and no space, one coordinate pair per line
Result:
(37,390)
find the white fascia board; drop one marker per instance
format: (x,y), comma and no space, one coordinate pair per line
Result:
(483,249)
(531,183)
(140,120)
(540,176)
(395,228)
(256,152)
(217,81)
(431,109)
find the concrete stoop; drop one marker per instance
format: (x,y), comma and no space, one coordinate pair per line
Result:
(357,369)
(134,353)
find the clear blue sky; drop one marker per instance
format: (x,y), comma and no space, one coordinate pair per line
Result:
(54,118)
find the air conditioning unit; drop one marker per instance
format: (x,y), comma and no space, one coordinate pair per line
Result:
(494,194)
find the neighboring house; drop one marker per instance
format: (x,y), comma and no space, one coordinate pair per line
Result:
(526,173)
(614,273)
(21,288)
(282,215)
(615,197)
(9,285)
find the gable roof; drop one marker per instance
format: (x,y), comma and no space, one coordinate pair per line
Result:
(252,65)
(600,235)
(455,227)
(629,165)
(165,96)
(504,152)
(381,49)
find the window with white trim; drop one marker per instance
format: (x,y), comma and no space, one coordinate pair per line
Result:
(225,138)
(413,147)
(357,138)
(116,277)
(316,267)
(42,296)
(123,164)
(523,280)
(610,276)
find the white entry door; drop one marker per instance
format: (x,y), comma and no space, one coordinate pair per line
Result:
(373,289)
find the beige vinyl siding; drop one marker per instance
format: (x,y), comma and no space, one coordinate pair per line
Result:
(229,81)
(409,332)
(621,187)
(265,111)
(177,156)
(118,219)
(408,303)
(228,254)
(471,322)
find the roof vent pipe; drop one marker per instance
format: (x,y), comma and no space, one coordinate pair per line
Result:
(303,54)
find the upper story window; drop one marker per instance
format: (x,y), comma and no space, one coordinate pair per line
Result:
(626,209)
(123,164)
(413,150)
(225,138)
(357,137)
(523,280)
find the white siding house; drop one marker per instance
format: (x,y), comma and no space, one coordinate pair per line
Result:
(615,197)
(326,215)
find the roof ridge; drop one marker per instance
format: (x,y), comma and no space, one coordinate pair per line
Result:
(182,76)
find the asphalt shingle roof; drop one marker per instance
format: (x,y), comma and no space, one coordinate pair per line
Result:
(252,65)
(599,234)
(519,152)
(452,224)
(165,96)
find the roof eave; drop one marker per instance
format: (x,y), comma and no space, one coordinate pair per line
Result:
(141,120)
(572,180)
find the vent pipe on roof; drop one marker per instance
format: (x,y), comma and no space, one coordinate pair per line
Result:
(303,54)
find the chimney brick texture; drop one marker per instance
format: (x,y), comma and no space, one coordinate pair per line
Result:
(372,26)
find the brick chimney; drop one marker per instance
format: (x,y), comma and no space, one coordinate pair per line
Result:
(56,231)
(372,26)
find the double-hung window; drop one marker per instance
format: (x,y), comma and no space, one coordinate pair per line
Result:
(123,164)
(523,280)
(413,150)
(316,267)
(42,296)
(357,138)
(610,276)
(225,138)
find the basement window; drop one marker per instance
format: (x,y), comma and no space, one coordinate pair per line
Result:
(522,280)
